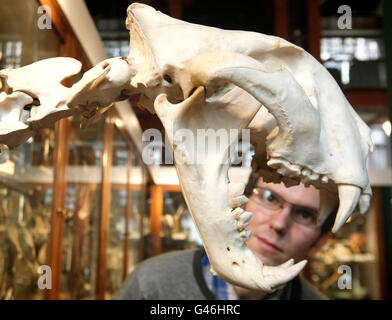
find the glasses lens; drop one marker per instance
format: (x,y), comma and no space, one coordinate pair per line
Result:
(305,216)
(267,198)
(301,215)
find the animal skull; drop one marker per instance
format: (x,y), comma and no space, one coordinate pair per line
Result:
(196,77)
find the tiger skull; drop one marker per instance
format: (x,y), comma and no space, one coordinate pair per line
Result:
(196,77)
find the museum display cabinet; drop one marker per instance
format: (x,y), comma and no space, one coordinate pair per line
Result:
(351,265)
(28,184)
(171,224)
(349,54)
(71,198)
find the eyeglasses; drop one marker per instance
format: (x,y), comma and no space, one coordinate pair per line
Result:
(273,203)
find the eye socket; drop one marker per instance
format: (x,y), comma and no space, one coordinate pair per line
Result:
(167,78)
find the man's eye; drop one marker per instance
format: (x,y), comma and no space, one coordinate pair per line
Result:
(306,215)
(268,196)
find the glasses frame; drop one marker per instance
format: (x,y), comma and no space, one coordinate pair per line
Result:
(283,203)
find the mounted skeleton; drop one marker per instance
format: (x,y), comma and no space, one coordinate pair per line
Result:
(196,77)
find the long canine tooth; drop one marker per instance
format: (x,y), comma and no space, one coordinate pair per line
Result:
(348,198)
(267,270)
(364,203)
(286,264)
(277,276)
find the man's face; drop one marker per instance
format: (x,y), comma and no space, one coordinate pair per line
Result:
(276,237)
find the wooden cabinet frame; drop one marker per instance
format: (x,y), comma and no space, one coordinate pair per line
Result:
(71,48)
(156,211)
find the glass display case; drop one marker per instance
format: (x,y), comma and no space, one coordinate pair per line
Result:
(127,226)
(359,246)
(178,229)
(21,40)
(348,266)
(26,173)
(82,211)
(54,188)
(351,53)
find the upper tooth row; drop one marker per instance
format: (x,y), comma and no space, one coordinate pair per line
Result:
(349,195)
(288,169)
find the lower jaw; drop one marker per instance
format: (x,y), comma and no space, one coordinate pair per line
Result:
(270,258)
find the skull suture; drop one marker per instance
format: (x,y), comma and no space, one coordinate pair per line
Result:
(303,127)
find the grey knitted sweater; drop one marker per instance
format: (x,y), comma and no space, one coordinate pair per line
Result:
(178,276)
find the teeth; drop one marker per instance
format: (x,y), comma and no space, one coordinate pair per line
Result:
(238,201)
(236,189)
(279,275)
(237,213)
(267,270)
(284,167)
(348,198)
(242,217)
(286,264)
(246,234)
(324,179)
(25,114)
(364,203)
(305,179)
(283,171)
(314,176)
(242,225)
(245,217)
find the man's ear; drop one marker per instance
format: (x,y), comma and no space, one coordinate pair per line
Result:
(319,244)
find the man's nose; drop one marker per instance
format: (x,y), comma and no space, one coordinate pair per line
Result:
(280,221)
